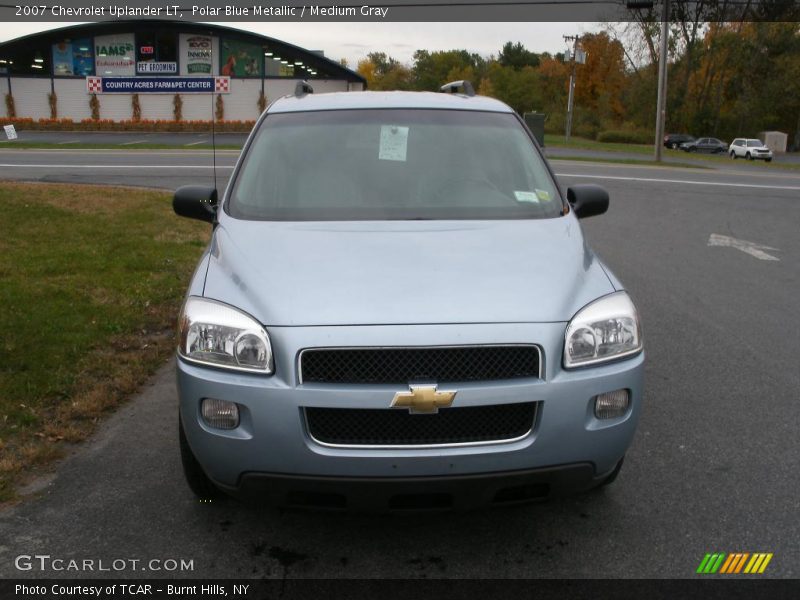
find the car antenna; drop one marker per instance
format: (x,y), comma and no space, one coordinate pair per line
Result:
(213,117)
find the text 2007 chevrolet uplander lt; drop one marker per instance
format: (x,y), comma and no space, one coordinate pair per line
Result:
(398,310)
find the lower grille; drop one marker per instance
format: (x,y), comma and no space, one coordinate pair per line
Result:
(396,427)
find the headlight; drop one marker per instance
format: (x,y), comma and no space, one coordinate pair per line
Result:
(604,330)
(217,334)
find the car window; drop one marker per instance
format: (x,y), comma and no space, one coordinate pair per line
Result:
(754,143)
(393,164)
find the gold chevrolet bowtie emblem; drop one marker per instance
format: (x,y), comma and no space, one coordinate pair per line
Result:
(423,399)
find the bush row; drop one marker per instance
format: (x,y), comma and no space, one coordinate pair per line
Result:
(621,136)
(129,125)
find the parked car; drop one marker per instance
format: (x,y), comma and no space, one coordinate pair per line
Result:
(710,145)
(674,140)
(750,148)
(398,310)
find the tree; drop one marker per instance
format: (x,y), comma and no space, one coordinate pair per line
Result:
(517,56)
(433,69)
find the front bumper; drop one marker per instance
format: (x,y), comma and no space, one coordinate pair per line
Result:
(272,445)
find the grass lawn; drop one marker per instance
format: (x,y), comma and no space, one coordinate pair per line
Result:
(92,280)
(110,146)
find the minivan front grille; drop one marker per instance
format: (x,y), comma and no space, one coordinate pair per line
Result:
(396,427)
(404,365)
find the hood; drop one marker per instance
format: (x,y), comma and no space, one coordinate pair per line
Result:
(404,272)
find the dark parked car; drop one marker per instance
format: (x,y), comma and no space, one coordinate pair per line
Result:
(674,140)
(711,145)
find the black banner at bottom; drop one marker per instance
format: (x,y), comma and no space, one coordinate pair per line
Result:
(389,589)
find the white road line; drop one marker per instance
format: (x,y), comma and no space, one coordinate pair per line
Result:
(69,142)
(751,248)
(116,166)
(196,143)
(133,142)
(684,181)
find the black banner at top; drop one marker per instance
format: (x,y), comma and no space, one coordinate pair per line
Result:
(399,10)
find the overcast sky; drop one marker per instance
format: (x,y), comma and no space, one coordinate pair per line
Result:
(354,40)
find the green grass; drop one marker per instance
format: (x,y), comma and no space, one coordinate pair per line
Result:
(630,161)
(51,146)
(557,141)
(92,279)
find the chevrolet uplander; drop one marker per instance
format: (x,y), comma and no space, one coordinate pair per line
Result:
(398,310)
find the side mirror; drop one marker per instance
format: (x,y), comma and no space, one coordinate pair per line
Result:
(587,199)
(196,202)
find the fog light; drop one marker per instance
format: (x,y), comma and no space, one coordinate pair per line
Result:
(220,413)
(611,404)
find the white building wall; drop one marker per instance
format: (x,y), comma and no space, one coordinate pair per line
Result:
(241,104)
(30,97)
(3,92)
(198,107)
(73,101)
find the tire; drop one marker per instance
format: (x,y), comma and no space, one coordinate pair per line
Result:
(733,155)
(767,160)
(672,146)
(613,475)
(197,479)
(748,156)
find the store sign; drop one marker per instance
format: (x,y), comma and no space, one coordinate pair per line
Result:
(158,85)
(114,55)
(197,55)
(147,50)
(157,67)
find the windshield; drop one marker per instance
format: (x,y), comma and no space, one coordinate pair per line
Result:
(393,164)
(754,143)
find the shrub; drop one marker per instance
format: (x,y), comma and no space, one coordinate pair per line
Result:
(219,112)
(52,100)
(177,107)
(11,110)
(262,102)
(625,136)
(137,108)
(94,106)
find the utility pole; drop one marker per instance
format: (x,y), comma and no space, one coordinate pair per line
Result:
(661,110)
(571,97)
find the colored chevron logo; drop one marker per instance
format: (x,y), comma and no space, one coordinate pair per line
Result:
(734,563)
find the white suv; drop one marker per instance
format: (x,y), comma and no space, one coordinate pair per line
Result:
(750,149)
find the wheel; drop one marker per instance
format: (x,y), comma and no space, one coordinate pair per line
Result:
(767,160)
(673,145)
(733,155)
(197,479)
(691,149)
(613,475)
(748,156)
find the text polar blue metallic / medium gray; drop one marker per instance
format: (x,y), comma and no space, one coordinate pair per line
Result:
(413,262)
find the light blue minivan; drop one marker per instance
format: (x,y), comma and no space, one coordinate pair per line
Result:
(398,310)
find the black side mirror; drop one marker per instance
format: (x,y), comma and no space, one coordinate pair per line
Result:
(196,202)
(587,199)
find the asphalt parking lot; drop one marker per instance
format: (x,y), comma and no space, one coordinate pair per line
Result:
(711,259)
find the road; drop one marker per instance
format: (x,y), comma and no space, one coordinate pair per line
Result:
(712,468)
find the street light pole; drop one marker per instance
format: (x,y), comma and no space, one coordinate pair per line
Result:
(571,97)
(661,110)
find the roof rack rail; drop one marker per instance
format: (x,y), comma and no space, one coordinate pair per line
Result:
(454,86)
(302,88)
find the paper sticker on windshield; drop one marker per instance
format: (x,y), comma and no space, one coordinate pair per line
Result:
(543,195)
(394,143)
(526,197)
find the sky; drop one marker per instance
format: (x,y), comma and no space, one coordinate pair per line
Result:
(354,40)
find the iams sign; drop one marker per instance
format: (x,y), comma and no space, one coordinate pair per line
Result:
(116,50)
